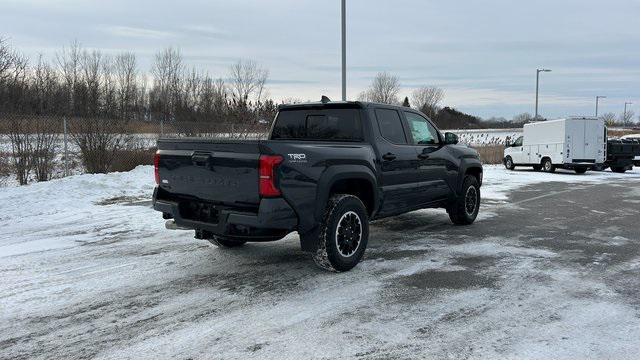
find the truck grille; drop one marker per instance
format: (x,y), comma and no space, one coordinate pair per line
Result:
(199,211)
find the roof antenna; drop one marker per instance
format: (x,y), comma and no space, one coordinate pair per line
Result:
(325,99)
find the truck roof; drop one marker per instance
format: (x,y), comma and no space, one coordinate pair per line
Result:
(336,105)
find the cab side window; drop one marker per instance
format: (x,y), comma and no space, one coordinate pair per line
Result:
(390,126)
(421,129)
(518,142)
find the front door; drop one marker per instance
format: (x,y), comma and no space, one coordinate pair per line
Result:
(432,159)
(398,164)
(517,152)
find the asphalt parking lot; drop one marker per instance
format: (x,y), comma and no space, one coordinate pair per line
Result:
(552,273)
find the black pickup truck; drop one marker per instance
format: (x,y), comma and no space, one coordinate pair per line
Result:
(326,170)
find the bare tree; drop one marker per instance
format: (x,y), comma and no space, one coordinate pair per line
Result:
(13,77)
(626,118)
(609,118)
(167,73)
(21,150)
(12,64)
(522,118)
(384,89)
(126,73)
(44,142)
(427,99)
(69,60)
(247,81)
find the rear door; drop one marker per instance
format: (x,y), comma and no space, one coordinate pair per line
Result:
(214,171)
(579,140)
(398,163)
(432,159)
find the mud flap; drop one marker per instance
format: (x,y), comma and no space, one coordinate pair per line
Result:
(309,239)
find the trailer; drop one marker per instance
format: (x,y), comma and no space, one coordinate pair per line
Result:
(621,155)
(576,143)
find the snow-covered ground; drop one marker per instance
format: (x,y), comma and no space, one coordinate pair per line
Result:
(88,270)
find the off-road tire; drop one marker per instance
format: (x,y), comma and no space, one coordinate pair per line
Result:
(225,243)
(508,163)
(458,211)
(329,255)
(547,166)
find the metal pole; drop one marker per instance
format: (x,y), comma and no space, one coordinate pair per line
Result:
(598,97)
(344,50)
(66,152)
(537,87)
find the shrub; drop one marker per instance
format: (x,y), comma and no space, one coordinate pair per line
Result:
(126,160)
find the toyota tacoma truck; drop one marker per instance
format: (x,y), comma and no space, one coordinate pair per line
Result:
(326,170)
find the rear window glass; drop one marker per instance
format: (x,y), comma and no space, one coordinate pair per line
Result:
(391,126)
(326,124)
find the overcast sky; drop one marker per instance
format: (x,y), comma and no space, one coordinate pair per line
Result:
(482,53)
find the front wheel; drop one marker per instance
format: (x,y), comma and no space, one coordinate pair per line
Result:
(344,234)
(464,210)
(508,163)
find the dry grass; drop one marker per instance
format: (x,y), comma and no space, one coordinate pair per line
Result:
(619,133)
(126,160)
(491,154)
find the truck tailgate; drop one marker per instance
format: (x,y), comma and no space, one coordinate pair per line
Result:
(218,171)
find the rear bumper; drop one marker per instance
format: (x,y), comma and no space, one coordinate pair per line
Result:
(580,164)
(274,219)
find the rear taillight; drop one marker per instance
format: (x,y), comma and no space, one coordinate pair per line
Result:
(156,166)
(268,166)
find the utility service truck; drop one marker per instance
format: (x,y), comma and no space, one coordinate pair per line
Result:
(577,143)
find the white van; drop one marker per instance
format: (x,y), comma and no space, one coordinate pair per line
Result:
(576,143)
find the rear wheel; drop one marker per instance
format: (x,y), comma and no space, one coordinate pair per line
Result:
(580,170)
(226,243)
(508,163)
(548,166)
(344,234)
(464,210)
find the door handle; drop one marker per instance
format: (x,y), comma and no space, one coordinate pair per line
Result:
(200,159)
(388,156)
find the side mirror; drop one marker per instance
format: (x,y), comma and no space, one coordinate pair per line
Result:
(450,138)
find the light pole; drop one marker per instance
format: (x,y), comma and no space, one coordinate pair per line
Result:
(344,50)
(538,71)
(624,117)
(597,99)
